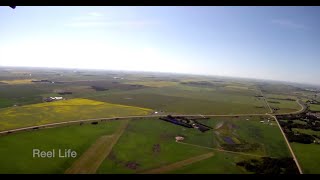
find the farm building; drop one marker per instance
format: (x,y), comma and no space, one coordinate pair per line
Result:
(50,99)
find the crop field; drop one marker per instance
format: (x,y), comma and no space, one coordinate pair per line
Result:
(280,96)
(66,110)
(16,149)
(17,81)
(189,100)
(308,156)
(284,105)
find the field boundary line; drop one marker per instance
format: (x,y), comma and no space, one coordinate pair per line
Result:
(178,164)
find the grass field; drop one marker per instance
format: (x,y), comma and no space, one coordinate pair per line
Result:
(135,147)
(284,105)
(251,131)
(280,96)
(308,156)
(65,110)
(297,121)
(89,161)
(188,100)
(16,149)
(220,163)
(314,107)
(306,131)
(179,164)
(5,103)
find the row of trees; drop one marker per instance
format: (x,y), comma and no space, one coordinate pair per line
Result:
(270,166)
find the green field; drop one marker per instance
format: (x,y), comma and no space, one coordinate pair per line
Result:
(136,147)
(188,100)
(284,105)
(314,107)
(65,110)
(308,156)
(16,149)
(143,145)
(5,103)
(307,131)
(220,163)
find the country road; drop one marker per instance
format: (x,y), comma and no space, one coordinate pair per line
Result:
(284,135)
(291,151)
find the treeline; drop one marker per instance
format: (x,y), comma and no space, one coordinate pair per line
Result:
(269,165)
(286,99)
(300,137)
(297,116)
(311,124)
(99,88)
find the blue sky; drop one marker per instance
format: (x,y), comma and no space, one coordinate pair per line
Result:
(277,43)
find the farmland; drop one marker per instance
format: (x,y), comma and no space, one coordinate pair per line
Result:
(67,110)
(314,107)
(140,145)
(16,155)
(17,81)
(161,134)
(189,100)
(309,157)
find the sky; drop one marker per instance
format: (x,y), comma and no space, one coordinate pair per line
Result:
(274,43)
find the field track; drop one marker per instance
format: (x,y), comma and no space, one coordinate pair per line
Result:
(89,161)
(178,164)
(221,150)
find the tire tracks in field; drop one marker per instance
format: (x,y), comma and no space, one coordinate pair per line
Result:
(91,159)
(178,164)
(221,150)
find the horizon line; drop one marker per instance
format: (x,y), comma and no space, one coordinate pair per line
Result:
(163,72)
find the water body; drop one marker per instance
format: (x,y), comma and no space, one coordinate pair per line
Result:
(228,140)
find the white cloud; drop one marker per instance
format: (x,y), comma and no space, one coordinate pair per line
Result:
(288,24)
